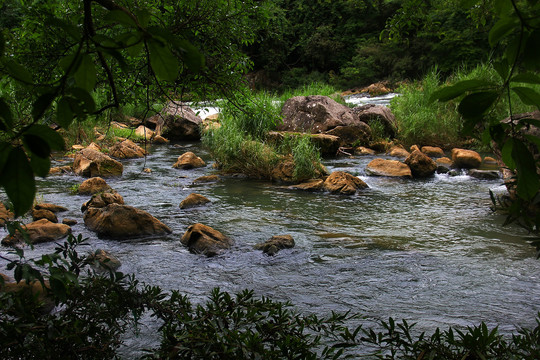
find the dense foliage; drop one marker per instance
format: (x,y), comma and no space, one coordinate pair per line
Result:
(355,43)
(94,311)
(96,55)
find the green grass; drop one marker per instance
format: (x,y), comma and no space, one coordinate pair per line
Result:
(423,122)
(240,144)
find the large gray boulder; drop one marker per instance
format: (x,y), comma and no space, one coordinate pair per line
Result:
(318,114)
(177,121)
(371,113)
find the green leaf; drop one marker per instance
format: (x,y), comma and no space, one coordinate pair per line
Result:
(450,92)
(528,96)
(2,44)
(5,149)
(70,63)
(528,183)
(190,54)
(5,114)
(17,178)
(136,49)
(502,68)
(41,166)
(85,77)
(118,56)
(507,154)
(120,17)
(474,105)
(527,77)
(502,7)
(83,97)
(53,139)
(66,27)
(18,72)
(64,114)
(162,60)
(531,53)
(36,145)
(501,29)
(42,104)
(143,16)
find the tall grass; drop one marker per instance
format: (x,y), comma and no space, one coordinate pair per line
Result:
(240,144)
(314,88)
(423,122)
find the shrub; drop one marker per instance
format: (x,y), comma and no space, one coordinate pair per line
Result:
(94,312)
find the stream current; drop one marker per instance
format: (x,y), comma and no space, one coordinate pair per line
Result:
(428,251)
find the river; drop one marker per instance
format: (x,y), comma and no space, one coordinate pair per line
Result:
(429,251)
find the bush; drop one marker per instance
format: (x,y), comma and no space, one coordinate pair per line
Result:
(94,312)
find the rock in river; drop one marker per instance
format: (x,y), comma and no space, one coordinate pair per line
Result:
(276,243)
(202,239)
(420,164)
(39,231)
(89,163)
(340,182)
(393,168)
(189,160)
(121,221)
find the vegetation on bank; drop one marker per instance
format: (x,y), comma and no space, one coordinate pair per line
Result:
(241,142)
(149,53)
(96,309)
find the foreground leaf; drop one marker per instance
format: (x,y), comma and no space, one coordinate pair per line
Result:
(17,178)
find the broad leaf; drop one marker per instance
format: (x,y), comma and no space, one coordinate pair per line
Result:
(84,98)
(42,104)
(531,53)
(18,72)
(67,28)
(528,78)
(37,145)
(51,137)
(41,166)
(502,68)
(528,96)
(17,178)
(5,114)
(190,54)
(507,154)
(162,60)
(528,183)
(120,17)
(502,28)
(474,105)
(64,114)
(85,77)
(450,92)
(143,16)
(70,63)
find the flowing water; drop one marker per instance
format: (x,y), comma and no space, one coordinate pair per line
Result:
(429,251)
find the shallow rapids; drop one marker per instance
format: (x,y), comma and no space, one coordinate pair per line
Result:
(429,251)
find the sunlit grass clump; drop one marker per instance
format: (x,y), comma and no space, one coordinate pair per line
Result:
(241,145)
